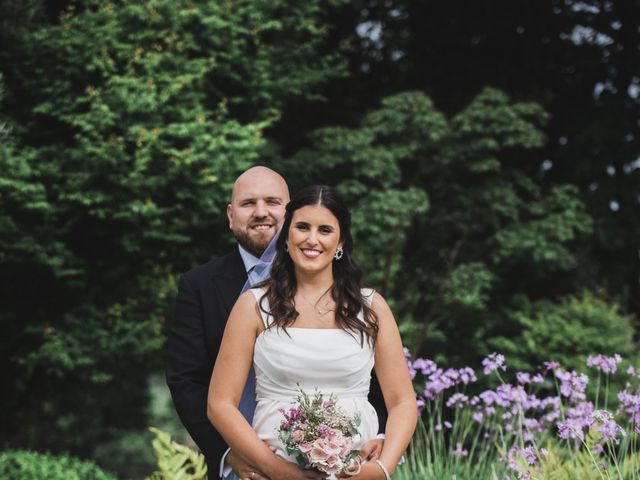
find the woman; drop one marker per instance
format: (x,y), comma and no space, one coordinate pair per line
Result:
(300,339)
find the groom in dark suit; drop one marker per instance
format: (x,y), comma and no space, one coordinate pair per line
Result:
(205,297)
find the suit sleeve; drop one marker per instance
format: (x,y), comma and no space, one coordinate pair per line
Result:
(377,400)
(189,370)
(375,392)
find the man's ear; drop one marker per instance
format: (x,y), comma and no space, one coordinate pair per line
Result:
(230,215)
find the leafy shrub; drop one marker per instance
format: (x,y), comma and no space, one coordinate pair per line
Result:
(175,461)
(567,332)
(26,465)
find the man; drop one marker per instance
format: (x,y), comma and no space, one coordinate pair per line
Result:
(205,297)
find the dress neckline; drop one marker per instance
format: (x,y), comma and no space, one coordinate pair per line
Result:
(306,328)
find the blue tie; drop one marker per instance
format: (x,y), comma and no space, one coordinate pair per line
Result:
(248,399)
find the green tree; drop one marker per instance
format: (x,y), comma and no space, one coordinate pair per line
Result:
(575,58)
(488,232)
(130,120)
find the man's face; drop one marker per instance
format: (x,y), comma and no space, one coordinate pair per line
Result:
(256,211)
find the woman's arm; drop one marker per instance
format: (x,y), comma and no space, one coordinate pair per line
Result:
(227,382)
(399,396)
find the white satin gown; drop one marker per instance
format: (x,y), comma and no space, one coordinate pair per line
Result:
(331,360)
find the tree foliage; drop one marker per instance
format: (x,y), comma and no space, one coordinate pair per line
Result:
(576,59)
(130,122)
(450,220)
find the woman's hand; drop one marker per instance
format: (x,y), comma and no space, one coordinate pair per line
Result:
(369,471)
(243,469)
(370,451)
(284,470)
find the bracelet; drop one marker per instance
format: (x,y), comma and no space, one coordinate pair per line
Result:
(384,470)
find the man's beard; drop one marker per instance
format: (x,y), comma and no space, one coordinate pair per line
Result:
(251,246)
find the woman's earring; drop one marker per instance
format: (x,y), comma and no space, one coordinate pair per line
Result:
(338,254)
(286,245)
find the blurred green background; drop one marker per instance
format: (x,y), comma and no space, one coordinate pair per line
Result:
(489,152)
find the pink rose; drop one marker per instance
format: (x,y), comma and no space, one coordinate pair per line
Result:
(318,452)
(322,450)
(305,447)
(331,468)
(346,446)
(297,436)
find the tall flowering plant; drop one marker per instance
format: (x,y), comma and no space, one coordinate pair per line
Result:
(526,429)
(320,435)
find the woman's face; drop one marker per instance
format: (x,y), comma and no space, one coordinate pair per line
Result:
(314,237)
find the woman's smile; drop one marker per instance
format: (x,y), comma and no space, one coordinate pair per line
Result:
(310,252)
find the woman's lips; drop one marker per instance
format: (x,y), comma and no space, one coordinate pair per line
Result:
(310,252)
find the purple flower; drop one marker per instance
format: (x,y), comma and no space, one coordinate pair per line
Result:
(407,353)
(630,404)
(552,407)
(571,429)
(324,431)
(546,366)
(425,366)
(537,378)
(523,378)
(609,430)
(513,456)
(493,362)
(572,384)
(440,426)
(578,420)
(632,372)
(530,455)
(438,381)
(604,364)
(459,451)
(457,400)
(467,375)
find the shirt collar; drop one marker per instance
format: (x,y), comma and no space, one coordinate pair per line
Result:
(248,259)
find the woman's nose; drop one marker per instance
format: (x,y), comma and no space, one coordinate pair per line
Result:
(312,238)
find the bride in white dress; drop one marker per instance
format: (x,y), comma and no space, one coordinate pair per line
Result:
(295,337)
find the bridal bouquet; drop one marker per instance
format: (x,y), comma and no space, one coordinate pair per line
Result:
(319,434)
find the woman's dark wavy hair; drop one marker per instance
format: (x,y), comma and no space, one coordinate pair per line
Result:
(347,276)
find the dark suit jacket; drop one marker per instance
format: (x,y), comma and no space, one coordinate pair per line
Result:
(205,297)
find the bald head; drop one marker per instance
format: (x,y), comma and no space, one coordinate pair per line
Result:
(260,175)
(256,211)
